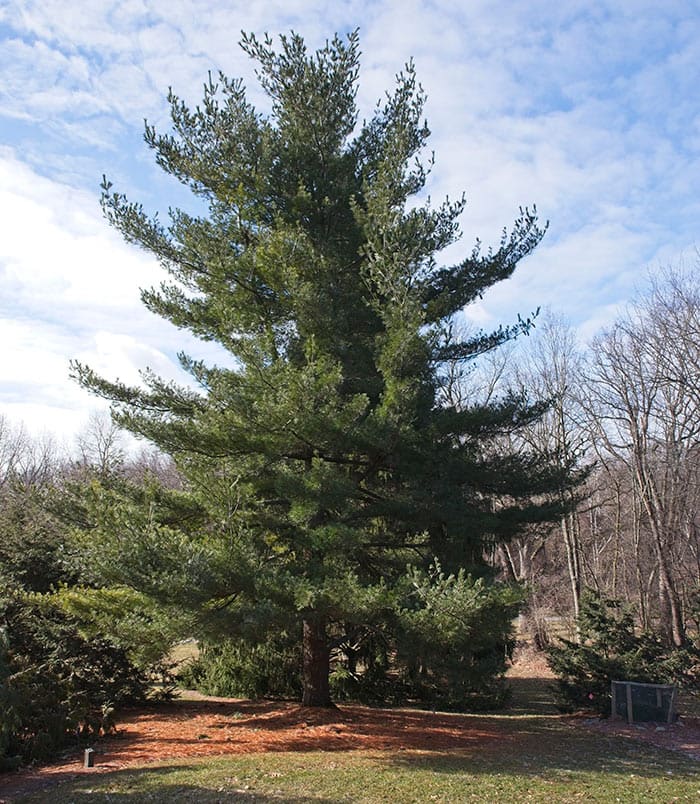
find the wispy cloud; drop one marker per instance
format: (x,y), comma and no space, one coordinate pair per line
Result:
(589,109)
(71,292)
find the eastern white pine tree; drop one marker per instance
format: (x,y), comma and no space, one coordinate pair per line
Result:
(320,455)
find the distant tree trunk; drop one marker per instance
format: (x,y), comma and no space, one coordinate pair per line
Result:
(316,662)
(671,613)
(673,627)
(569,529)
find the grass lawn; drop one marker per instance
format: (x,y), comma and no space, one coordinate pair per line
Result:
(538,758)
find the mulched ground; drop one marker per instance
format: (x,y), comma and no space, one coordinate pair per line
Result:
(682,736)
(218,726)
(198,726)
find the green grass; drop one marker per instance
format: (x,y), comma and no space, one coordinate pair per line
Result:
(536,757)
(539,758)
(182,653)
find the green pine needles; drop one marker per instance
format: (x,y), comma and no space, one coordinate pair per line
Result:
(319,461)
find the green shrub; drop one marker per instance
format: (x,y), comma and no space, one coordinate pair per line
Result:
(54,684)
(132,621)
(237,669)
(9,721)
(445,644)
(457,636)
(610,649)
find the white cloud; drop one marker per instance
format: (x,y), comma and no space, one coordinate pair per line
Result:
(121,356)
(71,292)
(588,109)
(76,260)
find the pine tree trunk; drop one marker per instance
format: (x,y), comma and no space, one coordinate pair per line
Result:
(316,662)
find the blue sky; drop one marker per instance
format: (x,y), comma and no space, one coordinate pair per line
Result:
(591,110)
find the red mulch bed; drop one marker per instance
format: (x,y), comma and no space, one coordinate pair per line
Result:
(219,726)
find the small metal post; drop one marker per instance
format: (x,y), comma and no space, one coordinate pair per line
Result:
(672,705)
(630,713)
(89,760)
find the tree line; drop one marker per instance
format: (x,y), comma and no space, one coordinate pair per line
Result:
(329,509)
(622,409)
(626,408)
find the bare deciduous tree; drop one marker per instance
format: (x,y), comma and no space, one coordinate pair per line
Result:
(549,369)
(644,407)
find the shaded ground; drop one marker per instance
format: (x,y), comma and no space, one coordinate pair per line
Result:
(198,727)
(683,736)
(532,684)
(194,728)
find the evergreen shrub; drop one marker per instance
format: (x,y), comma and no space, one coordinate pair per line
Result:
(55,686)
(446,646)
(457,637)
(611,649)
(238,669)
